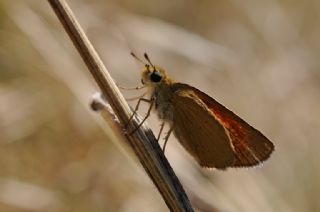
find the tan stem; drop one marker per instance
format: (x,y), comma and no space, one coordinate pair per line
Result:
(143,142)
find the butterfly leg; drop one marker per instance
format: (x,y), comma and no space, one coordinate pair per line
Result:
(137,97)
(131,88)
(136,109)
(167,138)
(147,115)
(161,128)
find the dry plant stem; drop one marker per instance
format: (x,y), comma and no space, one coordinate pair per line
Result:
(142,141)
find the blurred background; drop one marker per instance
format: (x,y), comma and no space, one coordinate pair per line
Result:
(258,58)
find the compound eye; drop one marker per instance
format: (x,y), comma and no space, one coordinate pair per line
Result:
(155,76)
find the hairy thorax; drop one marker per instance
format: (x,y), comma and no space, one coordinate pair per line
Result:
(162,95)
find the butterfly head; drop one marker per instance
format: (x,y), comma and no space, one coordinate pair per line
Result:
(153,75)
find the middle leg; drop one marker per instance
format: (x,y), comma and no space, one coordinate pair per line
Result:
(167,138)
(161,128)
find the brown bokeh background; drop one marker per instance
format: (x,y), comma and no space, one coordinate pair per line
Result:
(259,58)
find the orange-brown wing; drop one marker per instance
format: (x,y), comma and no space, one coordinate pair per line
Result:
(251,147)
(199,132)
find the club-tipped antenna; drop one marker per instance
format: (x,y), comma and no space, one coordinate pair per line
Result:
(136,57)
(148,59)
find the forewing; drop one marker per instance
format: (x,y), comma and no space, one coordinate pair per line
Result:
(251,146)
(199,132)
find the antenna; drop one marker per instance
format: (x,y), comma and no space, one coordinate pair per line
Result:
(147,58)
(136,57)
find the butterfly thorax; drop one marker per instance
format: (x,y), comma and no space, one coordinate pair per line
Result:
(162,95)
